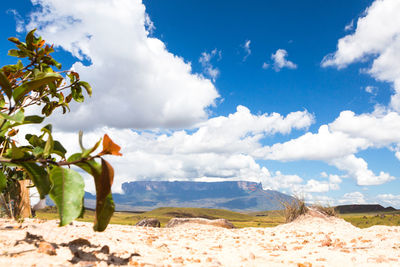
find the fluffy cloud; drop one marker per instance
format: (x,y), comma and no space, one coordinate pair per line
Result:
(280,61)
(349,26)
(352,198)
(205,61)
(324,145)
(389,199)
(380,129)
(371,90)
(265,65)
(19,22)
(338,142)
(218,149)
(376,36)
(137,82)
(247,50)
(358,168)
(315,186)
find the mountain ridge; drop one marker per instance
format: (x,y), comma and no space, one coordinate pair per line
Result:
(231,195)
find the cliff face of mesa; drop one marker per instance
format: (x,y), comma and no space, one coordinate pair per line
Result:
(232,195)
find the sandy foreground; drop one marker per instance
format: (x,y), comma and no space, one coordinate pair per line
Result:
(309,241)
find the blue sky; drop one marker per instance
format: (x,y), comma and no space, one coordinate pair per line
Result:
(299,95)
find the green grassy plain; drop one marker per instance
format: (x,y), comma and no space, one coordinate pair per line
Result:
(365,220)
(239,220)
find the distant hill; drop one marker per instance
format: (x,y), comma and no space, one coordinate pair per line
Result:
(361,208)
(231,195)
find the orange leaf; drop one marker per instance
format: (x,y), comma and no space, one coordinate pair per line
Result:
(104,181)
(75,74)
(41,43)
(109,147)
(12,132)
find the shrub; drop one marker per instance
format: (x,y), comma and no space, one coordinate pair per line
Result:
(294,208)
(40,82)
(326,210)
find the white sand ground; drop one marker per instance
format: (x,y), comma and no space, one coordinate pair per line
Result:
(309,241)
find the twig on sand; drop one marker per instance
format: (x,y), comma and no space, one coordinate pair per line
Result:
(16,253)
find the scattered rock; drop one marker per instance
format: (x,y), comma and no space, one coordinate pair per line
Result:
(150,222)
(217,222)
(105,249)
(79,242)
(46,248)
(327,242)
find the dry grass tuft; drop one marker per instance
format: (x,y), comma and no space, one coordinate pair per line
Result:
(326,210)
(294,209)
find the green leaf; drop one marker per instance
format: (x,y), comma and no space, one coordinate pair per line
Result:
(19,65)
(91,166)
(77,95)
(34,140)
(33,119)
(3,181)
(59,149)
(104,214)
(86,86)
(103,177)
(48,128)
(14,40)
(48,147)
(18,117)
(67,193)
(16,53)
(104,202)
(39,176)
(81,140)
(37,151)
(40,80)
(86,152)
(55,63)
(4,128)
(2,102)
(5,84)
(30,37)
(15,152)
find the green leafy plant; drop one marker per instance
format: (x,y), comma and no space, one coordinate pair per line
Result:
(41,82)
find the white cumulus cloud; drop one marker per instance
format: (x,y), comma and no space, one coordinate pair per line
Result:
(205,61)
(280,61)
(389,199)
(220,148)
(338,143)
(376,38)
(137,82)
(353,198)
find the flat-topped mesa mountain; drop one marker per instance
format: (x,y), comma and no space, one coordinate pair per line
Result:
(361,208)
(232,195)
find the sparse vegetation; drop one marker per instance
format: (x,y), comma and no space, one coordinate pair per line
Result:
(239,220)
(326,210)
(294,209)
(365,220)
